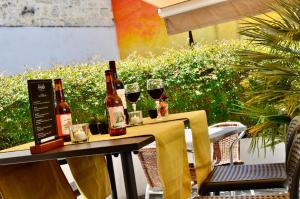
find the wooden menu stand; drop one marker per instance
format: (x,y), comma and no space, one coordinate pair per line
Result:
(43,116)
(47,146)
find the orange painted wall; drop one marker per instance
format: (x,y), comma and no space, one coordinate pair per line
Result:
(140,29)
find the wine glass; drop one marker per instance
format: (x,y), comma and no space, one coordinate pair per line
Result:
(155,89)
(132,92)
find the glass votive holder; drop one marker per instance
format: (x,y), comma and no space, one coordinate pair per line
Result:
(135,118)
(80,133)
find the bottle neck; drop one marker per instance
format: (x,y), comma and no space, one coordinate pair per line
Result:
(60,97)
(109,83)
(115,76)
(112,67)
(59,92)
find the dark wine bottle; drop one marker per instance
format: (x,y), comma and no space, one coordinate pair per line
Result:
(62,112)
(114,108)
(119,87)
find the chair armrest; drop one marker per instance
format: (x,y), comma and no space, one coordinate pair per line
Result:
(241,135)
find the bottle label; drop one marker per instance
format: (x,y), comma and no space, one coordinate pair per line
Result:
(64,124)
(116,117)
(121,94)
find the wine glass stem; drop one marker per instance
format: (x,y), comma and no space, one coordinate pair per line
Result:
(157,106)
(134,106)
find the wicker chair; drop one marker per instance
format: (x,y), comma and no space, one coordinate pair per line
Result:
(245,177)
(293,172)
(227,150)
(147,158)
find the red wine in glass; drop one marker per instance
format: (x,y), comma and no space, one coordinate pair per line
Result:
(132,92)
(133,97)
(155,88)
(156,93)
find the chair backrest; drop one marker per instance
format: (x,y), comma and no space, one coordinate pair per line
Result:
(230,123)
(293,168)
(222,152)
(148,161)
(292,130)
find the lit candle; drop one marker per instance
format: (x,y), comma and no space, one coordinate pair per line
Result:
(80,135)
(135,120)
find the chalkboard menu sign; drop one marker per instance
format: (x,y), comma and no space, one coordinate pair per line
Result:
(42,110)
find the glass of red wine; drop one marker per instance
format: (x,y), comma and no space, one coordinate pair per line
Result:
(155,88)
(132,92)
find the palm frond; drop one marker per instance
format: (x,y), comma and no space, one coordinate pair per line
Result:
(273,68)
(281,33)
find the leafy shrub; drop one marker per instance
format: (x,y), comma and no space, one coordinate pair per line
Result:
(197,78)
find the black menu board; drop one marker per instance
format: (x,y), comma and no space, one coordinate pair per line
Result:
(42,110)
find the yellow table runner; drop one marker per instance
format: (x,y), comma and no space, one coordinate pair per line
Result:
(91,176)
(201,142)
(36,180)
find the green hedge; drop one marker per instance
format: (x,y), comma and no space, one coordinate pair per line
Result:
(198,78)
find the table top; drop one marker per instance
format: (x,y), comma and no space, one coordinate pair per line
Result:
(75,150)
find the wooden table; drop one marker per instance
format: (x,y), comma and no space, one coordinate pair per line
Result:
(123,146)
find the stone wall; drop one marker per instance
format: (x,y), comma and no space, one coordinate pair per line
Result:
(55,13)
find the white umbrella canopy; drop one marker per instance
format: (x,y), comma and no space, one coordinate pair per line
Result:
(164,3)
(184,15)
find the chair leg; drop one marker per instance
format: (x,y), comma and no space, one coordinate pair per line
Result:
(241,135)
(147,194)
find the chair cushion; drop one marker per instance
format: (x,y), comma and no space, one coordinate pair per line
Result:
(243,177)
(273,196)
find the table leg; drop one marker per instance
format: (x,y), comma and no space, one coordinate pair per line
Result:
(110,167)
(129,177)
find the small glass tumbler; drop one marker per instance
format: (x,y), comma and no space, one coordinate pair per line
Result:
(152,113)
(80,133)
(135,118)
